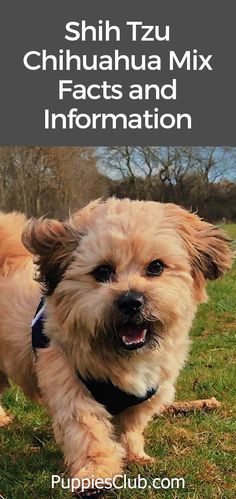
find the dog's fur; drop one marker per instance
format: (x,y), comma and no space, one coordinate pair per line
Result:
(83,317)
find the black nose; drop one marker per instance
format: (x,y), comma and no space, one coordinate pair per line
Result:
(130,303)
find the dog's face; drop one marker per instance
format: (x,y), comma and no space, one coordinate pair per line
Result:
(121,273)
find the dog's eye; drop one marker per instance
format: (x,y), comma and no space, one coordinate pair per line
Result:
(103,273)
(155,268)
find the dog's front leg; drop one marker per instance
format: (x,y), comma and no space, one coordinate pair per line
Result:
(131,423)
(81,425)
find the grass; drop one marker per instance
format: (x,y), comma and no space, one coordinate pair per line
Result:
(199,447)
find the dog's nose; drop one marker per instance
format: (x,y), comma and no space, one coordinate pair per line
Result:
(130,303)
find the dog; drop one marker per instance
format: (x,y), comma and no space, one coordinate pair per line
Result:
(121,282)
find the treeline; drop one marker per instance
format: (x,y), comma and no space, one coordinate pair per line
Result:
(56,180)
(48,180)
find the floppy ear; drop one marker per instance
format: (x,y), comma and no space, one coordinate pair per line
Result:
(53,243)
(208,247)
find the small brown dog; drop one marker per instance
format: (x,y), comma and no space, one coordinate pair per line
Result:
(122,281)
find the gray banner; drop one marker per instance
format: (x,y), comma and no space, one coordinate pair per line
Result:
(196,28)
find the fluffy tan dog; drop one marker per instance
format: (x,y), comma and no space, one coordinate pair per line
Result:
(122,281)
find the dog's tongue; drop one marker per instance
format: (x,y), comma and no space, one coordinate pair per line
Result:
(131,335)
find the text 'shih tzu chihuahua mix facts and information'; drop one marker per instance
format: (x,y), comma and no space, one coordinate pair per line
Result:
(121,281)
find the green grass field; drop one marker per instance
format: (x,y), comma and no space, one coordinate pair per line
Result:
(200,447)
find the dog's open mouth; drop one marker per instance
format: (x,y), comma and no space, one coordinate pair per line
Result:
(132,336)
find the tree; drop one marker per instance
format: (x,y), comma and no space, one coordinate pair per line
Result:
(52,180)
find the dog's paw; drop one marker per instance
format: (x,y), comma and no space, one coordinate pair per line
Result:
(101,463)
(140,458)
(87,489)
(103,471)
(133,443)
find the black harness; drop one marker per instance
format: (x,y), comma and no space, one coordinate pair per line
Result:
(104,392)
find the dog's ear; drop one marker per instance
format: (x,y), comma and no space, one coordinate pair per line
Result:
(52,243)
(208,247)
